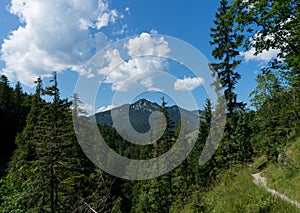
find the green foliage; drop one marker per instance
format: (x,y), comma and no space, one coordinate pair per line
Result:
(49,173)
(226,41)
(260,162)
(274,117)
(236,192)
(277,26)
(235,146)
(285,175)
(13,112)
(277,94)
(152,191)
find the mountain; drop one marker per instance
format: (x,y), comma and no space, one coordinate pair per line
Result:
(139,113)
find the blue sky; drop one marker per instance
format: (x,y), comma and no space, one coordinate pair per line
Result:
(37,38)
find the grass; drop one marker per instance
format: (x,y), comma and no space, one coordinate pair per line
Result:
(237,193)
(285,176)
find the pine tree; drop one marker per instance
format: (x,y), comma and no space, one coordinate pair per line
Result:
(8,119)
(226,41)
(17,188)
(202,173)
(22,107)
(60,160)
(49,172)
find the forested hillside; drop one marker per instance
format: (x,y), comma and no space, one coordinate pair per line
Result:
(14,107)
(43,168)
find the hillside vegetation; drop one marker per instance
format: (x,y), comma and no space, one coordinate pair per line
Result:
(44,169)
(235,190)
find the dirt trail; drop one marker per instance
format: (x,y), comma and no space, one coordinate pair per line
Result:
(262,182)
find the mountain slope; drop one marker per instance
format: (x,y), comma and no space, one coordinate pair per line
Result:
(260,187)
(139,113)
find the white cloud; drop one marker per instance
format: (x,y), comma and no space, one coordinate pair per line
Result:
(154,89)
(102,21)
(147,55)
(105,108)
(147,45)
(264,56)
(55,35)
(188,83)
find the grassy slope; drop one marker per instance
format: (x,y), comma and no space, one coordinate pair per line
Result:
(236,191)
(285,176)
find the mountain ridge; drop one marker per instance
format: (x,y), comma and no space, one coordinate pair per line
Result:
(140,111)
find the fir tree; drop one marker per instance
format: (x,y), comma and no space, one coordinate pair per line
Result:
(226,41)
(17,188)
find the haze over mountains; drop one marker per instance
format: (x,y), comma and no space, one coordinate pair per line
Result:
(140,111)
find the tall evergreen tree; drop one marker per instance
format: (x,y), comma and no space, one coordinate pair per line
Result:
(226,41)
(48,172)
(17,187)
(8,120)
(202,174)
(21,106)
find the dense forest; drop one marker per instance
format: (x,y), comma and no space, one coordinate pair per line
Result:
(43,168)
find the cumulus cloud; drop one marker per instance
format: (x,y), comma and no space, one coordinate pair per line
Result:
(145,44)
(264,56)
(188,84)
(55,35)
(146,54)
